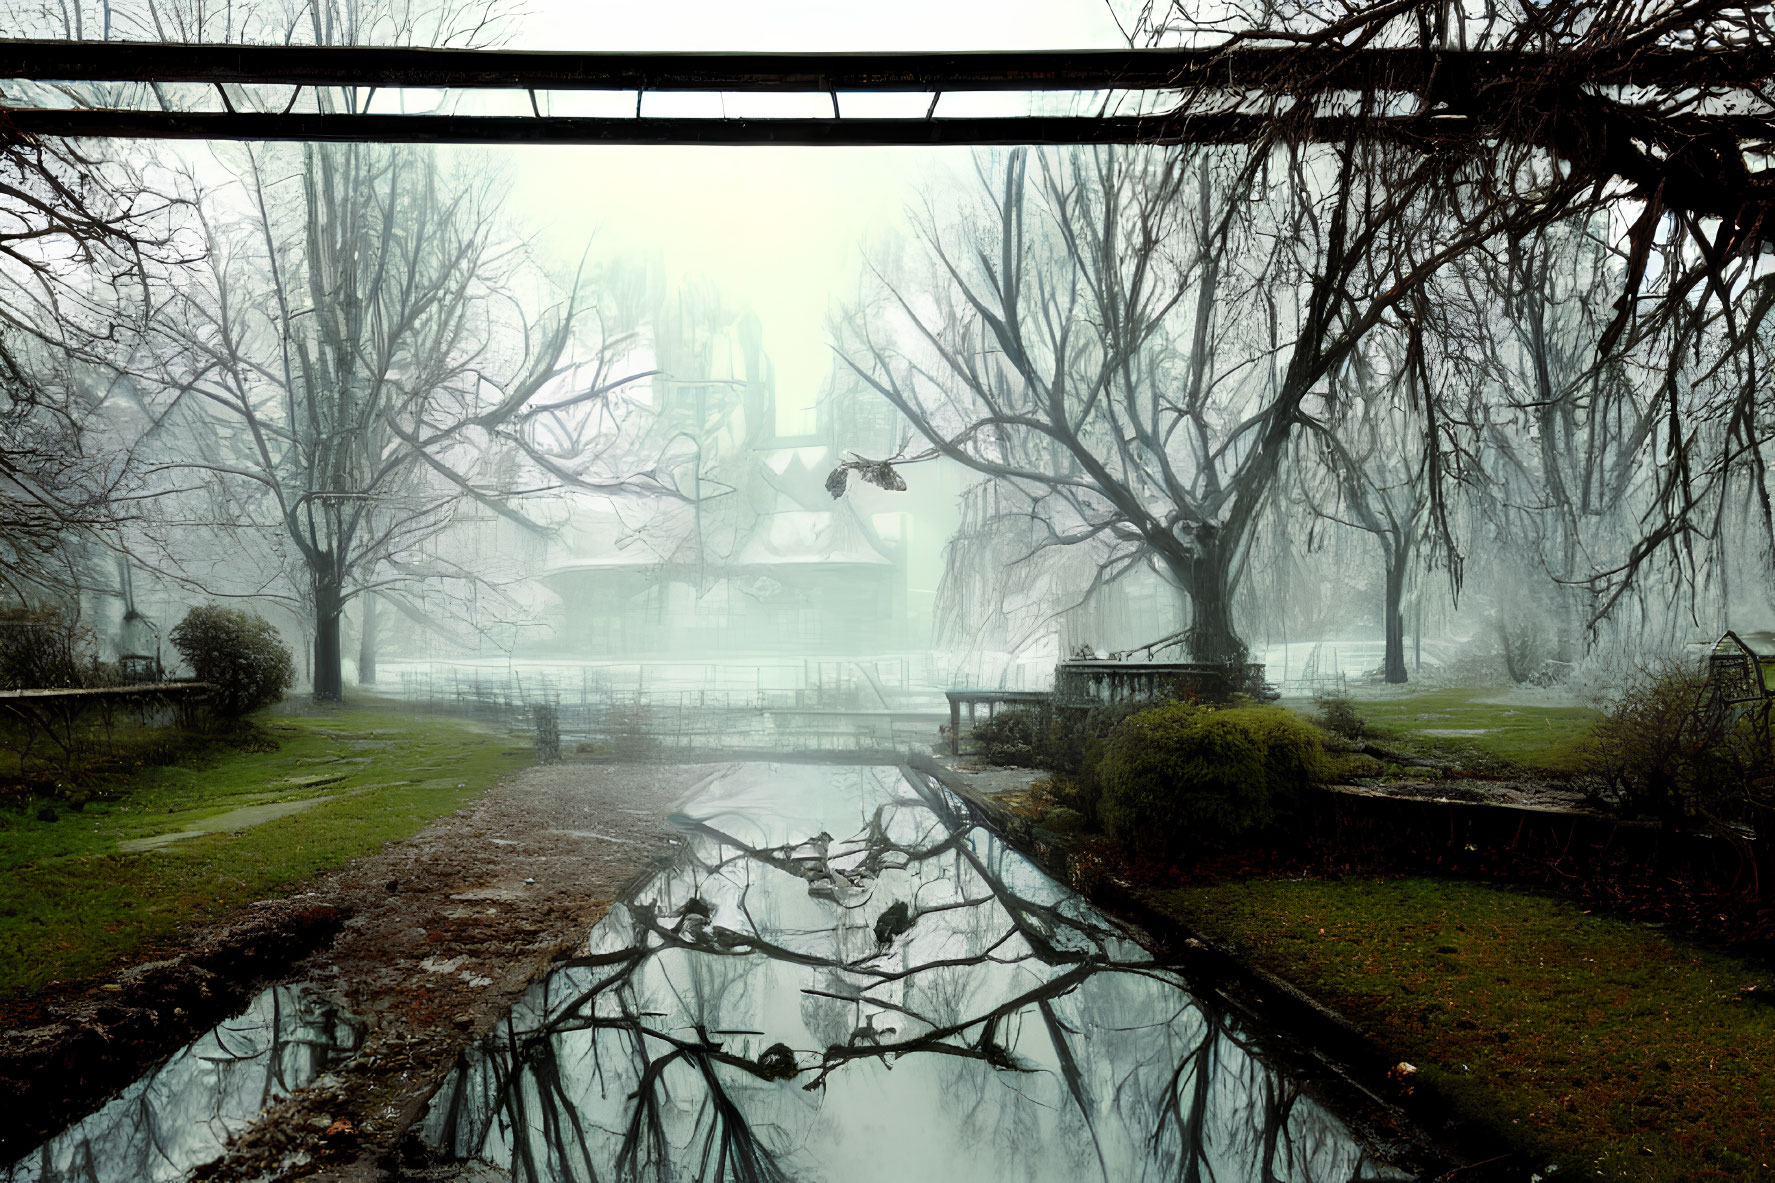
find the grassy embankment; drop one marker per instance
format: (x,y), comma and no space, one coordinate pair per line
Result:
(1600,1044)
(72,903)
(1503,737)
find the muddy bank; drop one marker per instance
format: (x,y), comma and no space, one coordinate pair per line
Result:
(67,1048)
(427,943)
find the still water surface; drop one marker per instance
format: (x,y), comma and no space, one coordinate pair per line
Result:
(841,977)
(838,976)
(182,1115)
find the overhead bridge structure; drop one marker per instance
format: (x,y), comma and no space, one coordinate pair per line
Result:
(1687,126)
(1200,95)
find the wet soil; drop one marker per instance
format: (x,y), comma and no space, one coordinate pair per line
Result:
(429,942)
(66,1049)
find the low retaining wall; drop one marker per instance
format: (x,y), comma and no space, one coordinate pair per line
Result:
(1463,836)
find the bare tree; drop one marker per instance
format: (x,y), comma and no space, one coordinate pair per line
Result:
(1391,442)
(1134,338)
(356,347)
(1379,484)
(1668,184)
(80,236)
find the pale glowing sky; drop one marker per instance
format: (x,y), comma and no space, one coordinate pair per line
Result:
(778,229)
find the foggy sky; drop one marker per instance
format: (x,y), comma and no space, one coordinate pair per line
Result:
(778,229)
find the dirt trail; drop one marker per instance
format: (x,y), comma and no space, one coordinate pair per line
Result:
(446,931)
(440,935)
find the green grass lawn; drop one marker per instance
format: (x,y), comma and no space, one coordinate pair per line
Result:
(1604,1045)
(71,903)
(1522,734)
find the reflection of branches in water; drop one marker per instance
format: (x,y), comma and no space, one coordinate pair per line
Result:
(182,1115)
(927,942)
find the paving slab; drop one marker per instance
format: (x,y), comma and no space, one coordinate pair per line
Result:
(231,822)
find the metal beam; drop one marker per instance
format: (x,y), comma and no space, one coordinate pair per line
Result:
(523,129)
(1467,92)
(1262,67)
(1167,128)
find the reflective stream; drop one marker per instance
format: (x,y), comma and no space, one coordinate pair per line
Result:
(841,978)
(181,1116)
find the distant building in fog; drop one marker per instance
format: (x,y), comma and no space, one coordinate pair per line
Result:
(760,558)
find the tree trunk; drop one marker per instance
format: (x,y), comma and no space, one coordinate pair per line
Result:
(1417,632)
(370,634)
(1211,635)
(329,677)
(1395,619)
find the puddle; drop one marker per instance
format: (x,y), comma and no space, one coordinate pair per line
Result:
(1454,732)
(181,1116)
(911,999)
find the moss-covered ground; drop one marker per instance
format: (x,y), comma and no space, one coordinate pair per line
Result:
(1505,732)
(1603,1045)
(72,902)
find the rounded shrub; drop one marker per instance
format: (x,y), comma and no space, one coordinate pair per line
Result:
(1077,741)
(1187,776)
(1012,736)
(1293,755)
(237,652)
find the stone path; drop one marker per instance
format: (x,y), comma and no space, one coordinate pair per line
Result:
(244,818)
